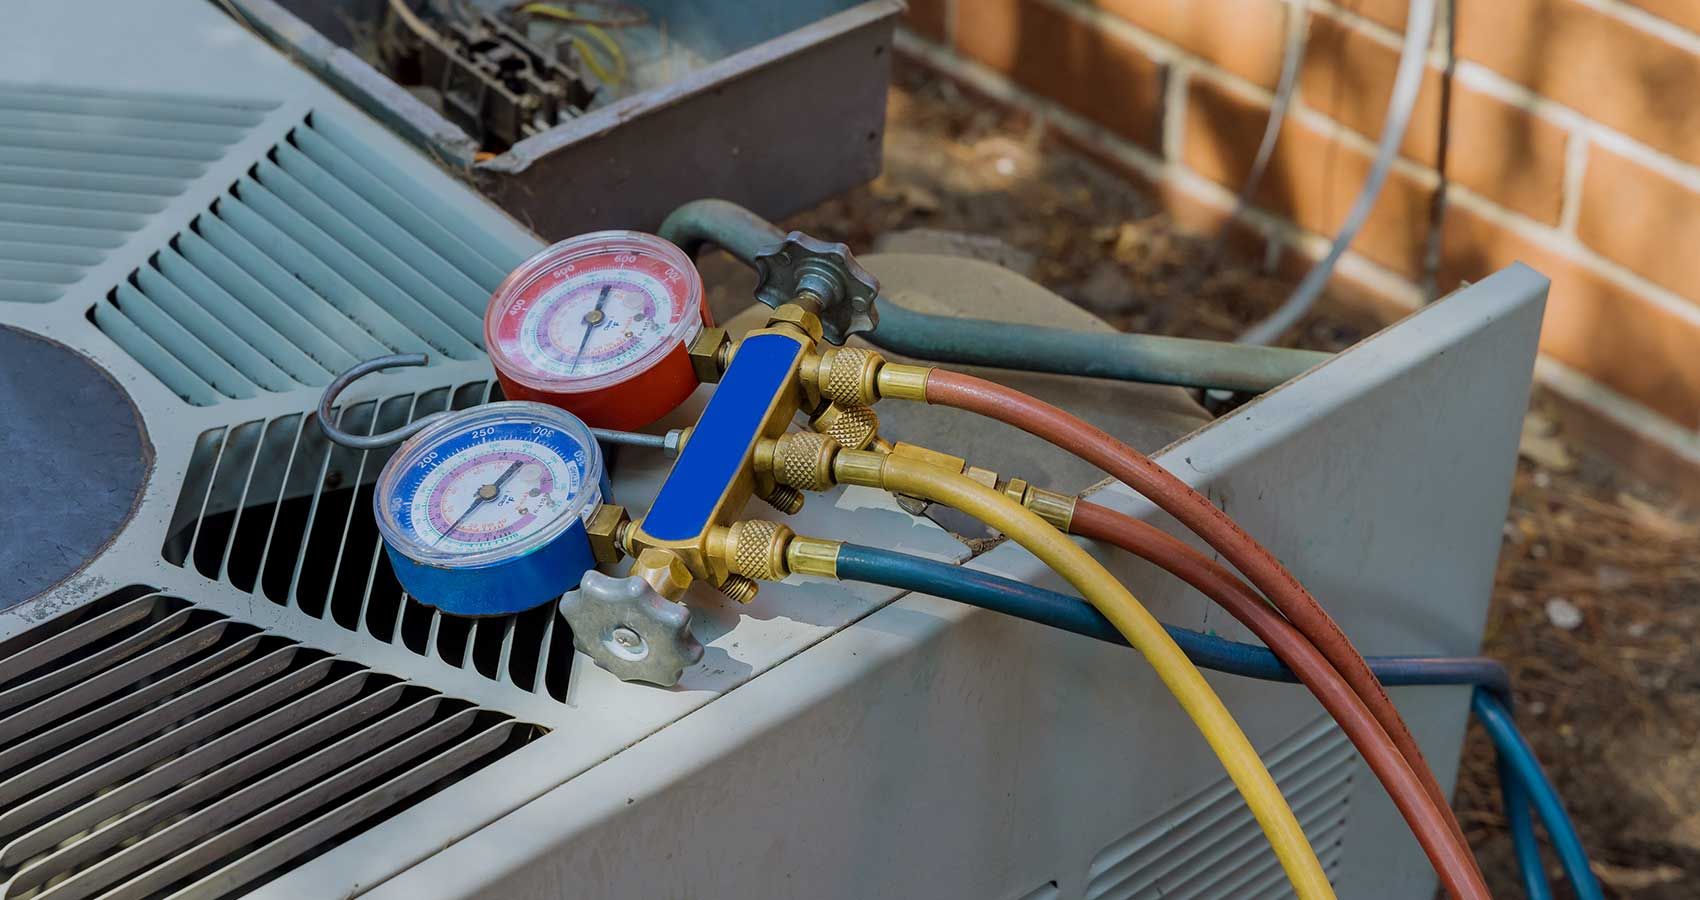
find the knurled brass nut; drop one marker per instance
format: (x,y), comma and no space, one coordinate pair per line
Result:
(848,375)
(853,427)
(758,549)
(803,459)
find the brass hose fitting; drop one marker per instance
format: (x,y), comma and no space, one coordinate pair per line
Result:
(813,556)
(1055,508)
(896,381)
(759,550)
(741,588)
(607,531)
(709,354)
(864,468)
(783,497)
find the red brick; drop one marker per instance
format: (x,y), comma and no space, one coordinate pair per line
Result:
(1245,37)
(1187,210)
(1066,59)
(1312,179)
(1609,70)
(928,18)
(1607,331)
(1496,149)
(1681,12)
(1391,13)
(1643,220)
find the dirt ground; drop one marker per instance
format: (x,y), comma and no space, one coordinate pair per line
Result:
(1598,588)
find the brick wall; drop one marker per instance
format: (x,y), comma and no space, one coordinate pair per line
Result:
(1574,147)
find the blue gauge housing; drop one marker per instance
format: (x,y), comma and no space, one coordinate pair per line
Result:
(483,513)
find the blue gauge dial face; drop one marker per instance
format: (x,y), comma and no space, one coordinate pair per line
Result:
(489,487)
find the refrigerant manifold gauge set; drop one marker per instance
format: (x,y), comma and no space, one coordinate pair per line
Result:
(499,508)
(504,507)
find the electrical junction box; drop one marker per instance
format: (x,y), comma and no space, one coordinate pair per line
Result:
(210,684)
(773,104)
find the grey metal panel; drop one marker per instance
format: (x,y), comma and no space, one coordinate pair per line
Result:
(790,113)
(871,688)
(78,169)
(863,769)
(310,263)
(190,770)
(776,128)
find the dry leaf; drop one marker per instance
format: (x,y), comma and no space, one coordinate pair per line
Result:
(1540,444)
(1625,878)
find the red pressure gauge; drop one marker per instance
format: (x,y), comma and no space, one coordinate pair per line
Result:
(599,325)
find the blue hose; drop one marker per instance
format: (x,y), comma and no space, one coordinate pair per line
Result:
(1522,781)
(900,570)
(1524,846)
(1516,755)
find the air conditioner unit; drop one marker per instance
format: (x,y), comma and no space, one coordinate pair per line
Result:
(211,684)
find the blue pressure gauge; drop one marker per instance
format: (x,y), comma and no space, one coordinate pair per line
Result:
(483,512)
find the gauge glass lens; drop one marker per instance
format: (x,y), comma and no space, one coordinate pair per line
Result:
(501,480)
(594,310)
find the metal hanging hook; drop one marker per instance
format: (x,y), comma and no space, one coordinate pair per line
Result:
(667,443)
(327,422)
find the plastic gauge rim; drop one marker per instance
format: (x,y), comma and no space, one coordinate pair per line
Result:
(527,561)
(538,327)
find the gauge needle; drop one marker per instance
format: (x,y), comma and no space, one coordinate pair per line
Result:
(485,494)
(591,320)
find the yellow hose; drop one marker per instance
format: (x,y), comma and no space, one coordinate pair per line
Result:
(914,478)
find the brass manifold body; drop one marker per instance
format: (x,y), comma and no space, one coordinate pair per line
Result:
(836,387)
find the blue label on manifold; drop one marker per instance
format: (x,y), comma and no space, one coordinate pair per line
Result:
(723,439)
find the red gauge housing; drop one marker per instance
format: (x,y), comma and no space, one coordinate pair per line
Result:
(601,326)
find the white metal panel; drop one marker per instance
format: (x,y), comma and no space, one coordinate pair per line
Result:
(190,49)
(934,751)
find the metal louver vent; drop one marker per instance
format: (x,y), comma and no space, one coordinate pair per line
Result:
(316,258)
(150,747)
(274,509)
(80,171)
(1209,846)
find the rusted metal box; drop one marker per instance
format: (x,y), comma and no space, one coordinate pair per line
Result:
(784,107)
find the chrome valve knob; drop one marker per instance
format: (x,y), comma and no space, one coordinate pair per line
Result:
(628,628)
(804,265)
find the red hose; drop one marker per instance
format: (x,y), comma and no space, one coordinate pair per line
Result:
(1430,821)
(1192,509)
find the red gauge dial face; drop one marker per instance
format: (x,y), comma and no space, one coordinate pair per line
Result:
(596,316)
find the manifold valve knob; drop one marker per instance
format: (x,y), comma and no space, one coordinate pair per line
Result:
(630,629)
(800,264)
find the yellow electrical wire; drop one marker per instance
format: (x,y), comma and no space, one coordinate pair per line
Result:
(915,478)
(616,55)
